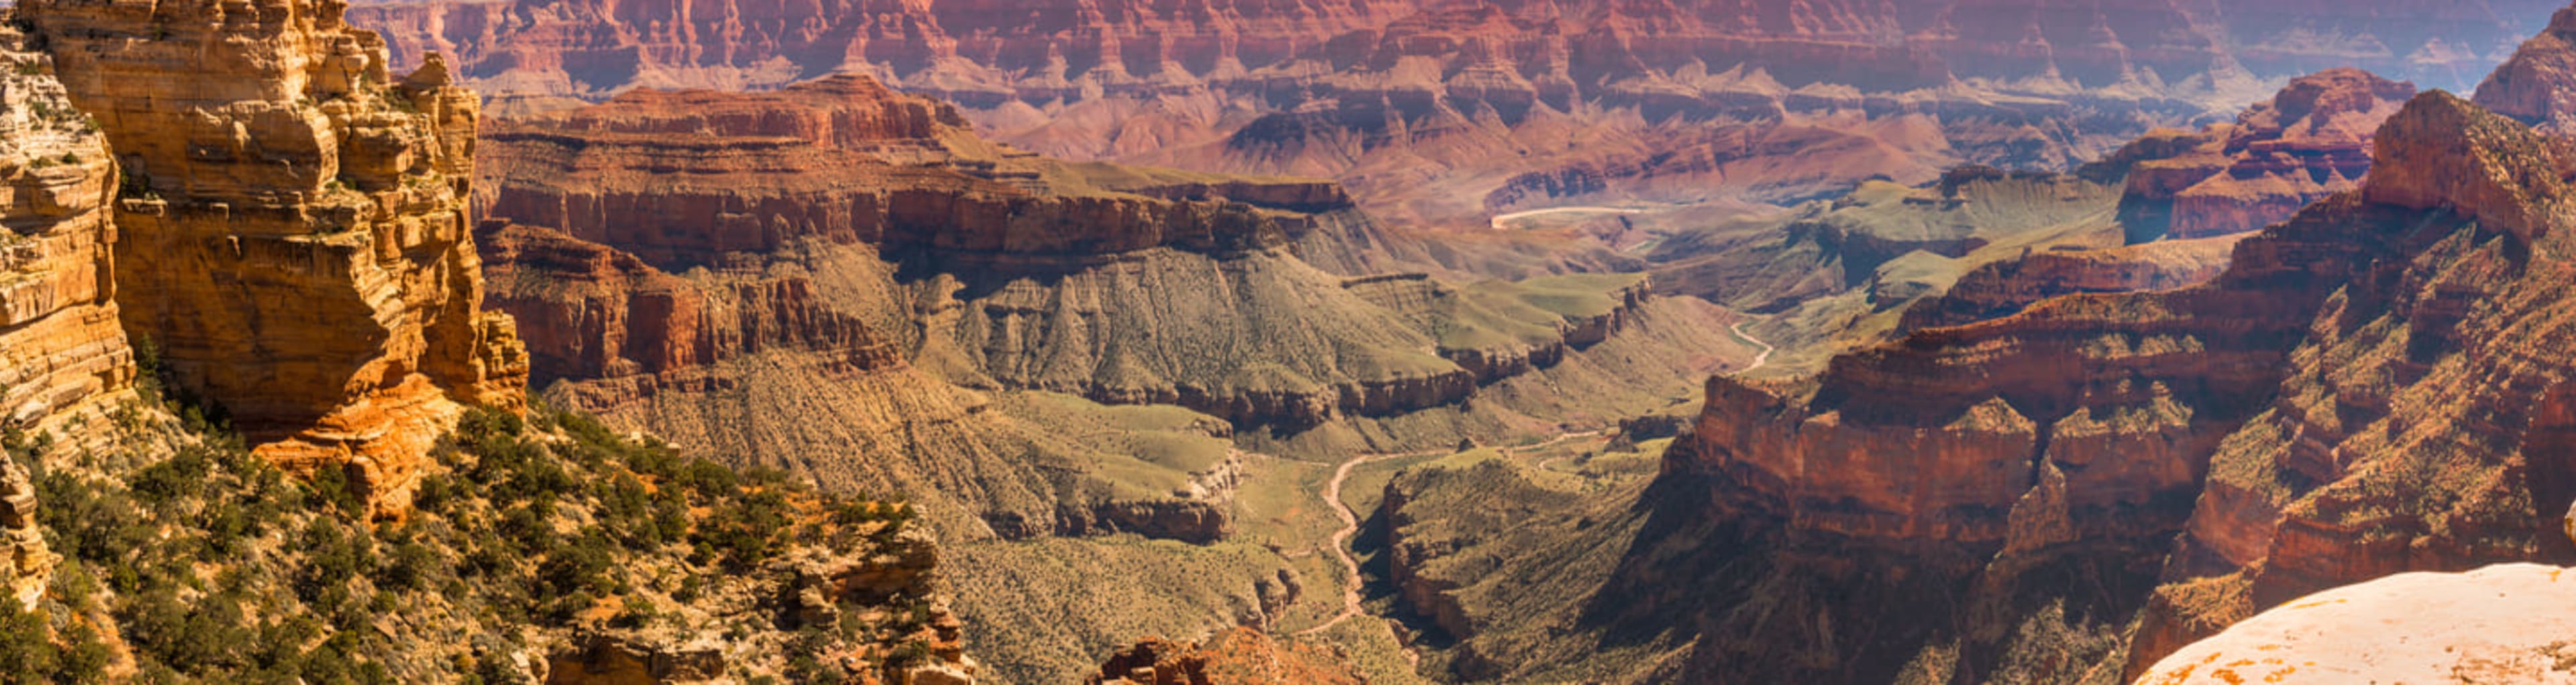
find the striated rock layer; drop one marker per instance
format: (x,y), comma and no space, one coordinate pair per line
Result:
(2537,85)
(293,233)
(2310,141)
(62,350)
(1006,270)
(2369,387)
(1445,111)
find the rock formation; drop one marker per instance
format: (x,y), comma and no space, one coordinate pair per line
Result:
(1442,112)
(2005,287)
(1239,656)
(293,231)
(2538,84)
(1023,271)
(2308,142)
(2503,623)
(2088,420)
(2366,389)
(61,347)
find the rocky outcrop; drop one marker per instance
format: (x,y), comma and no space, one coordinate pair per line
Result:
(2503,623)
(293,232)
(2537,85)
(590,311)
(900,624)
(2445,153)
(1027,272)
(1442,112)
(1240,656)
(2330,486)
(848,161)
(62,351)
(2306,383)
(2003,288)
(29,568)
(2309,141)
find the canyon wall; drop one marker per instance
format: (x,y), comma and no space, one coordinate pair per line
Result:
(2283,418)
(1000,268)
(293,233)
(2308,142)
(62,351)
(1442,113)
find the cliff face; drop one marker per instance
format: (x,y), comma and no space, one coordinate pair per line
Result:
(2356,395)
(2340,479)
(1446,112)
(294,232)
(62,350)
(2005,287)
(1075,278)
(2310,141)
(2538,84)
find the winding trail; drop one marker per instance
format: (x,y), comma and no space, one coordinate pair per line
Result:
(1351,521)
(1758,360)
(1499,221)
(1350,526)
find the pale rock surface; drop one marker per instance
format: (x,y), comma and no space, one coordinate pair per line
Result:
(2508,623)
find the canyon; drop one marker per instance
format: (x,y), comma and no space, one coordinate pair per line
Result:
(1999,491)
(1439,115)
(246,348)
(292,202)
(1810,340)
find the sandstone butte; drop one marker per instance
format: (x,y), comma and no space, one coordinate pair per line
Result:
(64,360)
(1447,112)
(873,226)
(292,235)
(2310,141)
(2367,389)
(2538,84)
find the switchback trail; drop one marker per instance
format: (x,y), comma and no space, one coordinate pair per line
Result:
(1351,521)
(1499,221)
(1758,360)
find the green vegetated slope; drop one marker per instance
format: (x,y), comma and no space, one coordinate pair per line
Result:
(1835,275)
(186,559)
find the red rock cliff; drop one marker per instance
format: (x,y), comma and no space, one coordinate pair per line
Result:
(2362,391)
(62,351)
(293,232)
(2310,141)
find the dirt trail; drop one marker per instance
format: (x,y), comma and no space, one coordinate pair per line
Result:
(1501,222)
(1350,526)
(1758,360)
(1351,521)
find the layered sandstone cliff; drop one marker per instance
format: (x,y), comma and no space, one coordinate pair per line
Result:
(1021,271)
(293,229)
(1442,111)
(2005,287)
(2337,482)
(2354,395)
(61,347)
(2537,85)
(2310,141)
